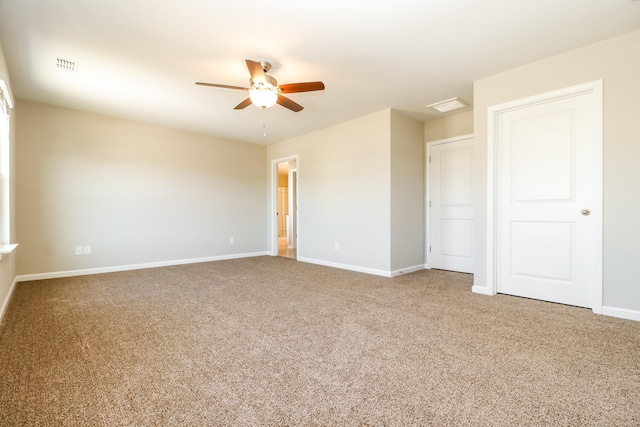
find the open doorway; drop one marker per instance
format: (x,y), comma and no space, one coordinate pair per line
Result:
(285,194)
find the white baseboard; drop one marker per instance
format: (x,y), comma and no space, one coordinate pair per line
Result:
(407,270)
(481,290)
(622,313)
(346,267)
(3,307)
(71,273)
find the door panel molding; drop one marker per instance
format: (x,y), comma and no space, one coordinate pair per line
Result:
(594,91)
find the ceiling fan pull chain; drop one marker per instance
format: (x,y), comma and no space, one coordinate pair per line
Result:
(264,122)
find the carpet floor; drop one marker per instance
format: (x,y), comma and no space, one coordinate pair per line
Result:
(270,341)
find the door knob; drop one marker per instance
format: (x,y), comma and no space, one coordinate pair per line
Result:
(585,212)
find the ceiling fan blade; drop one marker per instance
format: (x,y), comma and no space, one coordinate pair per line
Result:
(257,73)
(287,103)
(222,86)
(301,87)
(243,104)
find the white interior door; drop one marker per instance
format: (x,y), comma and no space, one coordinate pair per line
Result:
(547,200)
(450,225)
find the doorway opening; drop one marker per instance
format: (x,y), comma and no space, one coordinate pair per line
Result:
(285,230)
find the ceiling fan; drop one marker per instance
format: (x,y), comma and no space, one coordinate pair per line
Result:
(265,92)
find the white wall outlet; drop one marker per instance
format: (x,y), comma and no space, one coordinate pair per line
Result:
(78,250)
(336,246)
(232,240)
(86,250)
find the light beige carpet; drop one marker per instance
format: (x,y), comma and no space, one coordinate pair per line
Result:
(270,341)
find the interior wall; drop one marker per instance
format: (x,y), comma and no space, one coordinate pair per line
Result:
(617,62)
(8,262)
(343,192)
(407,193)
(449,126)
(135,193)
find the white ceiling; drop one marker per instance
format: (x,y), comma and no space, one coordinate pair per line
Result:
(139,59)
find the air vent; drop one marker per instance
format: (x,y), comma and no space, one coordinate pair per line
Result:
(66,65)
(448,105)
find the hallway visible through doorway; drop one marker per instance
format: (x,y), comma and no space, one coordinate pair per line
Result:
(285,207)
(284,249)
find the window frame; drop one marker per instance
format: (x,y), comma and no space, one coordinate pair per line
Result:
(6,107)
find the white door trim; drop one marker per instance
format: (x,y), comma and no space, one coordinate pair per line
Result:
(595,89)
(273,209)
(429,144)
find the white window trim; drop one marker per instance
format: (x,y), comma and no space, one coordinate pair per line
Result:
(6,105)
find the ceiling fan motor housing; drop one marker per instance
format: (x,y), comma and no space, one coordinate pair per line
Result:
(266,66)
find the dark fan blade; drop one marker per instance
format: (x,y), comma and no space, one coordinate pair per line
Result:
(301,87)
(287,103)
(222,86)
(257,73)
(243,104)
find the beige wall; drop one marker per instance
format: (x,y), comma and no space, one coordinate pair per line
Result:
(407,192)
(617,62)
(8,262)
(343,192)
(449,126)
(345,177)
(136,193)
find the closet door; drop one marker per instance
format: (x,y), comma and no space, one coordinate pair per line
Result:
(451,205)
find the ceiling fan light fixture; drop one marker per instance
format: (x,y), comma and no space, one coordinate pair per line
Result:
(264,91)
(263,97)
(448,105)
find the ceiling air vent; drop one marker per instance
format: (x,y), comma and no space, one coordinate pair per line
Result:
(66,65)
(448,105)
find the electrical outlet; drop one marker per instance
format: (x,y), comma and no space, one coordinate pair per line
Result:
(78,250)
(87,250)
(336,246)
(232,240)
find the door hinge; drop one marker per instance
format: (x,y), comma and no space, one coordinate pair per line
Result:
(429,159)
(429,203)
(429,248)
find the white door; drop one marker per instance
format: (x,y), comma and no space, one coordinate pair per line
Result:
(547,199)
(450,227)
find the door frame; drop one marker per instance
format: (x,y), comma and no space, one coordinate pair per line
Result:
(593,88)
(427,228)
(273,208)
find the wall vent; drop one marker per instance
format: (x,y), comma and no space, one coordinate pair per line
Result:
(66,65)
